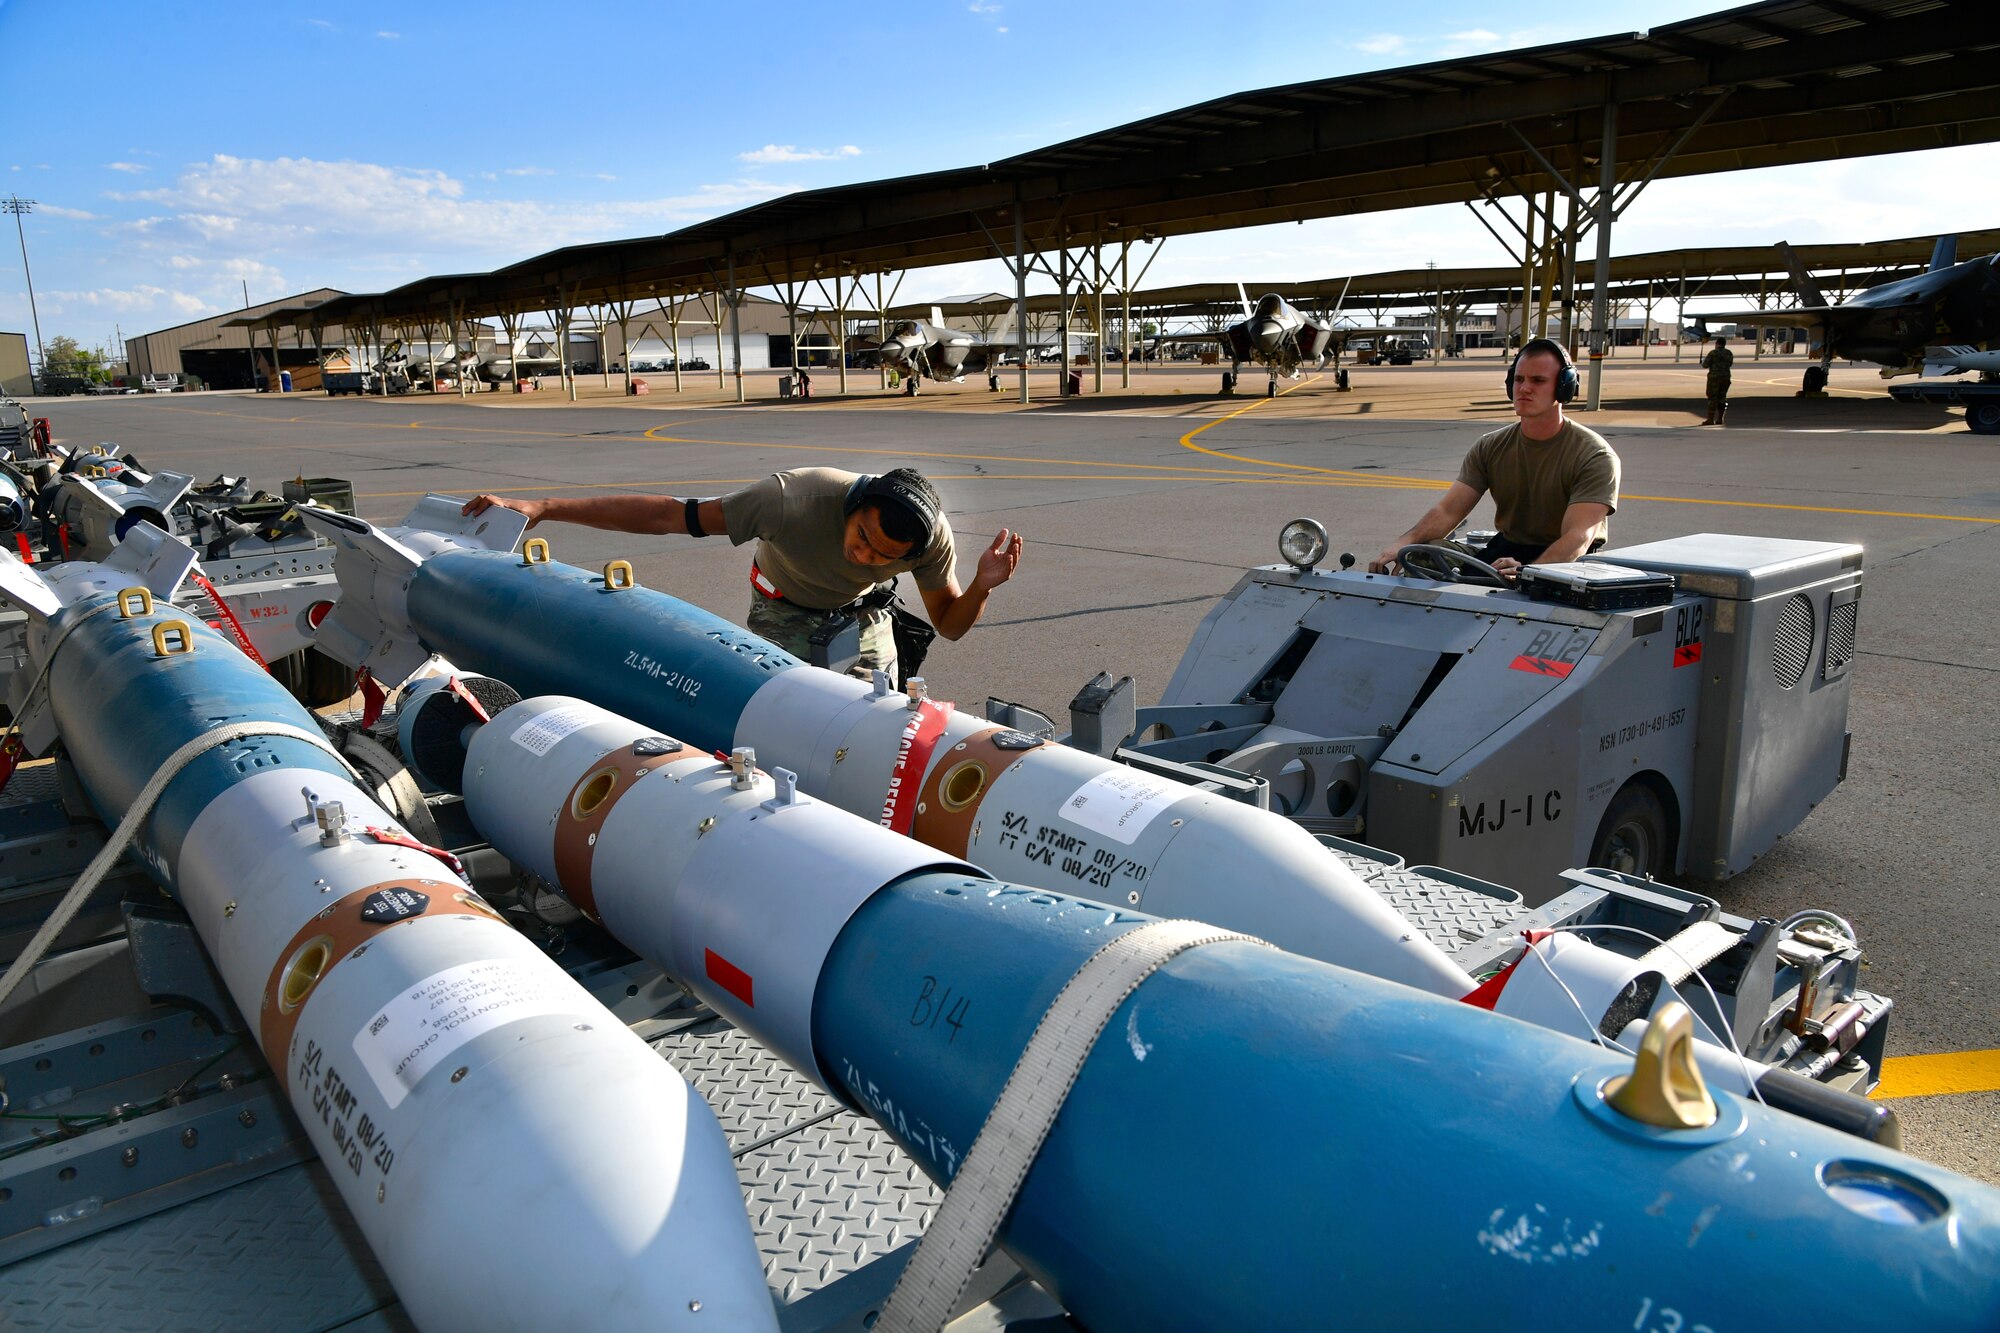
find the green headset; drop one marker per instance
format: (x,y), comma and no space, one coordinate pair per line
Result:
(1567,382)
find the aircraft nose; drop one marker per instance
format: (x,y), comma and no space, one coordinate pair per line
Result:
(891,351)
(1267,334)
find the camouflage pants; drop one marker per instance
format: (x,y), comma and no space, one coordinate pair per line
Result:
(791,627)
(1718,394)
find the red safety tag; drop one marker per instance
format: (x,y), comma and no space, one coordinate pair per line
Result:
(1487,993)
(373,697)
(395,839)
(235,626)
(27,551)
(62,538)
(913,755)
(457,687)
(11,751)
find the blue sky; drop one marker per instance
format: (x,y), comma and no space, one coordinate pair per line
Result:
(178,153)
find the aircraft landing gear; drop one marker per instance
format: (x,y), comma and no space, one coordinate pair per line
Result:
(1228,384)
(1271,389)
(1814,385)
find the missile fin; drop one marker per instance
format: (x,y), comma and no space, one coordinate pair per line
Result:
(496,529)
(22,587)
(165,490)
(372,566)
(157,560)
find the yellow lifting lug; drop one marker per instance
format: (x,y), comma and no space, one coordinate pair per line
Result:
(135,602)
(535,552)
(172,637)
(1665,1087)
(618,575)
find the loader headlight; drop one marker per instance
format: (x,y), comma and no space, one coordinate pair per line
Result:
(1302,542)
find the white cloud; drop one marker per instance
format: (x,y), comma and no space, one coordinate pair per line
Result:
(772,152)
(73,214)
(1405,48)
(321,23)
(528,171)
(390,36)
(132,167)
(977,7)
(141,299)
(351,211)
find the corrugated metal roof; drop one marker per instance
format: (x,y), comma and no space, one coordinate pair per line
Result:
(1798,81)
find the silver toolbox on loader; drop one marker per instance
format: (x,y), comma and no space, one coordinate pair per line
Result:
(1775,650)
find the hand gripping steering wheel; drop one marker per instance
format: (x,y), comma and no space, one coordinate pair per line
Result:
(1448,564)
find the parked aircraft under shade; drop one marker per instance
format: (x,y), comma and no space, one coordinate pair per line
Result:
(1279,337)
(1934,323)
(934,349)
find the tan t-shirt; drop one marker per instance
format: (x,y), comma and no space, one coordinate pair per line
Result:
(1534,481)
(800,523)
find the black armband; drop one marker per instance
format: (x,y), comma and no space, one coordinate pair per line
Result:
(692,511)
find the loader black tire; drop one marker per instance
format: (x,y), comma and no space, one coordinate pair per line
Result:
(1632,837)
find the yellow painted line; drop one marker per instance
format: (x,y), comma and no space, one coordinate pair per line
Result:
(1169,468)
(623,485)
(1187,441)
(1939,1075)
(1162,471)
(1834,388)
(1807,509)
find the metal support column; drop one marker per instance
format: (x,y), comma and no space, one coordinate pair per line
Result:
(1600,299)
(1125,324)
(1021,290)
(735,325)
(840,328)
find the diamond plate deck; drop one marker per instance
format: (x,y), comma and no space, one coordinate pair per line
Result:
(756,1096)
(829,1198)
(1450,916)
(278,1252)
(828,1192)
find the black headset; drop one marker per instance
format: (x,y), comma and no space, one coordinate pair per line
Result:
(1567,382)
(897,491)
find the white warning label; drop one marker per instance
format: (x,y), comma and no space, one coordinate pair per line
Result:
(432,1019)
(540,734)
(1120,804)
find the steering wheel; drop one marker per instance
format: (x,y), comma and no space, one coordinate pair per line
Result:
(1448,564)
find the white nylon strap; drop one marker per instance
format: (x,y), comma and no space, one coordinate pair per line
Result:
(983,1192)
(135,814)
(1688,952)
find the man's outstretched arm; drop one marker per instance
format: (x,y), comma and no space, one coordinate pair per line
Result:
(650,514)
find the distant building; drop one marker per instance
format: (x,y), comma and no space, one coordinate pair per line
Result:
(221,358)
(15,377)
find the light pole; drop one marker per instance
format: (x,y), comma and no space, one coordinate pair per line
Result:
(16,205)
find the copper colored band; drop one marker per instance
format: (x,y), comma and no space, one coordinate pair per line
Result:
(576,835)
(340,925)
(951,830)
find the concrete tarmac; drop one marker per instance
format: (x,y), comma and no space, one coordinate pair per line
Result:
(1140,508)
